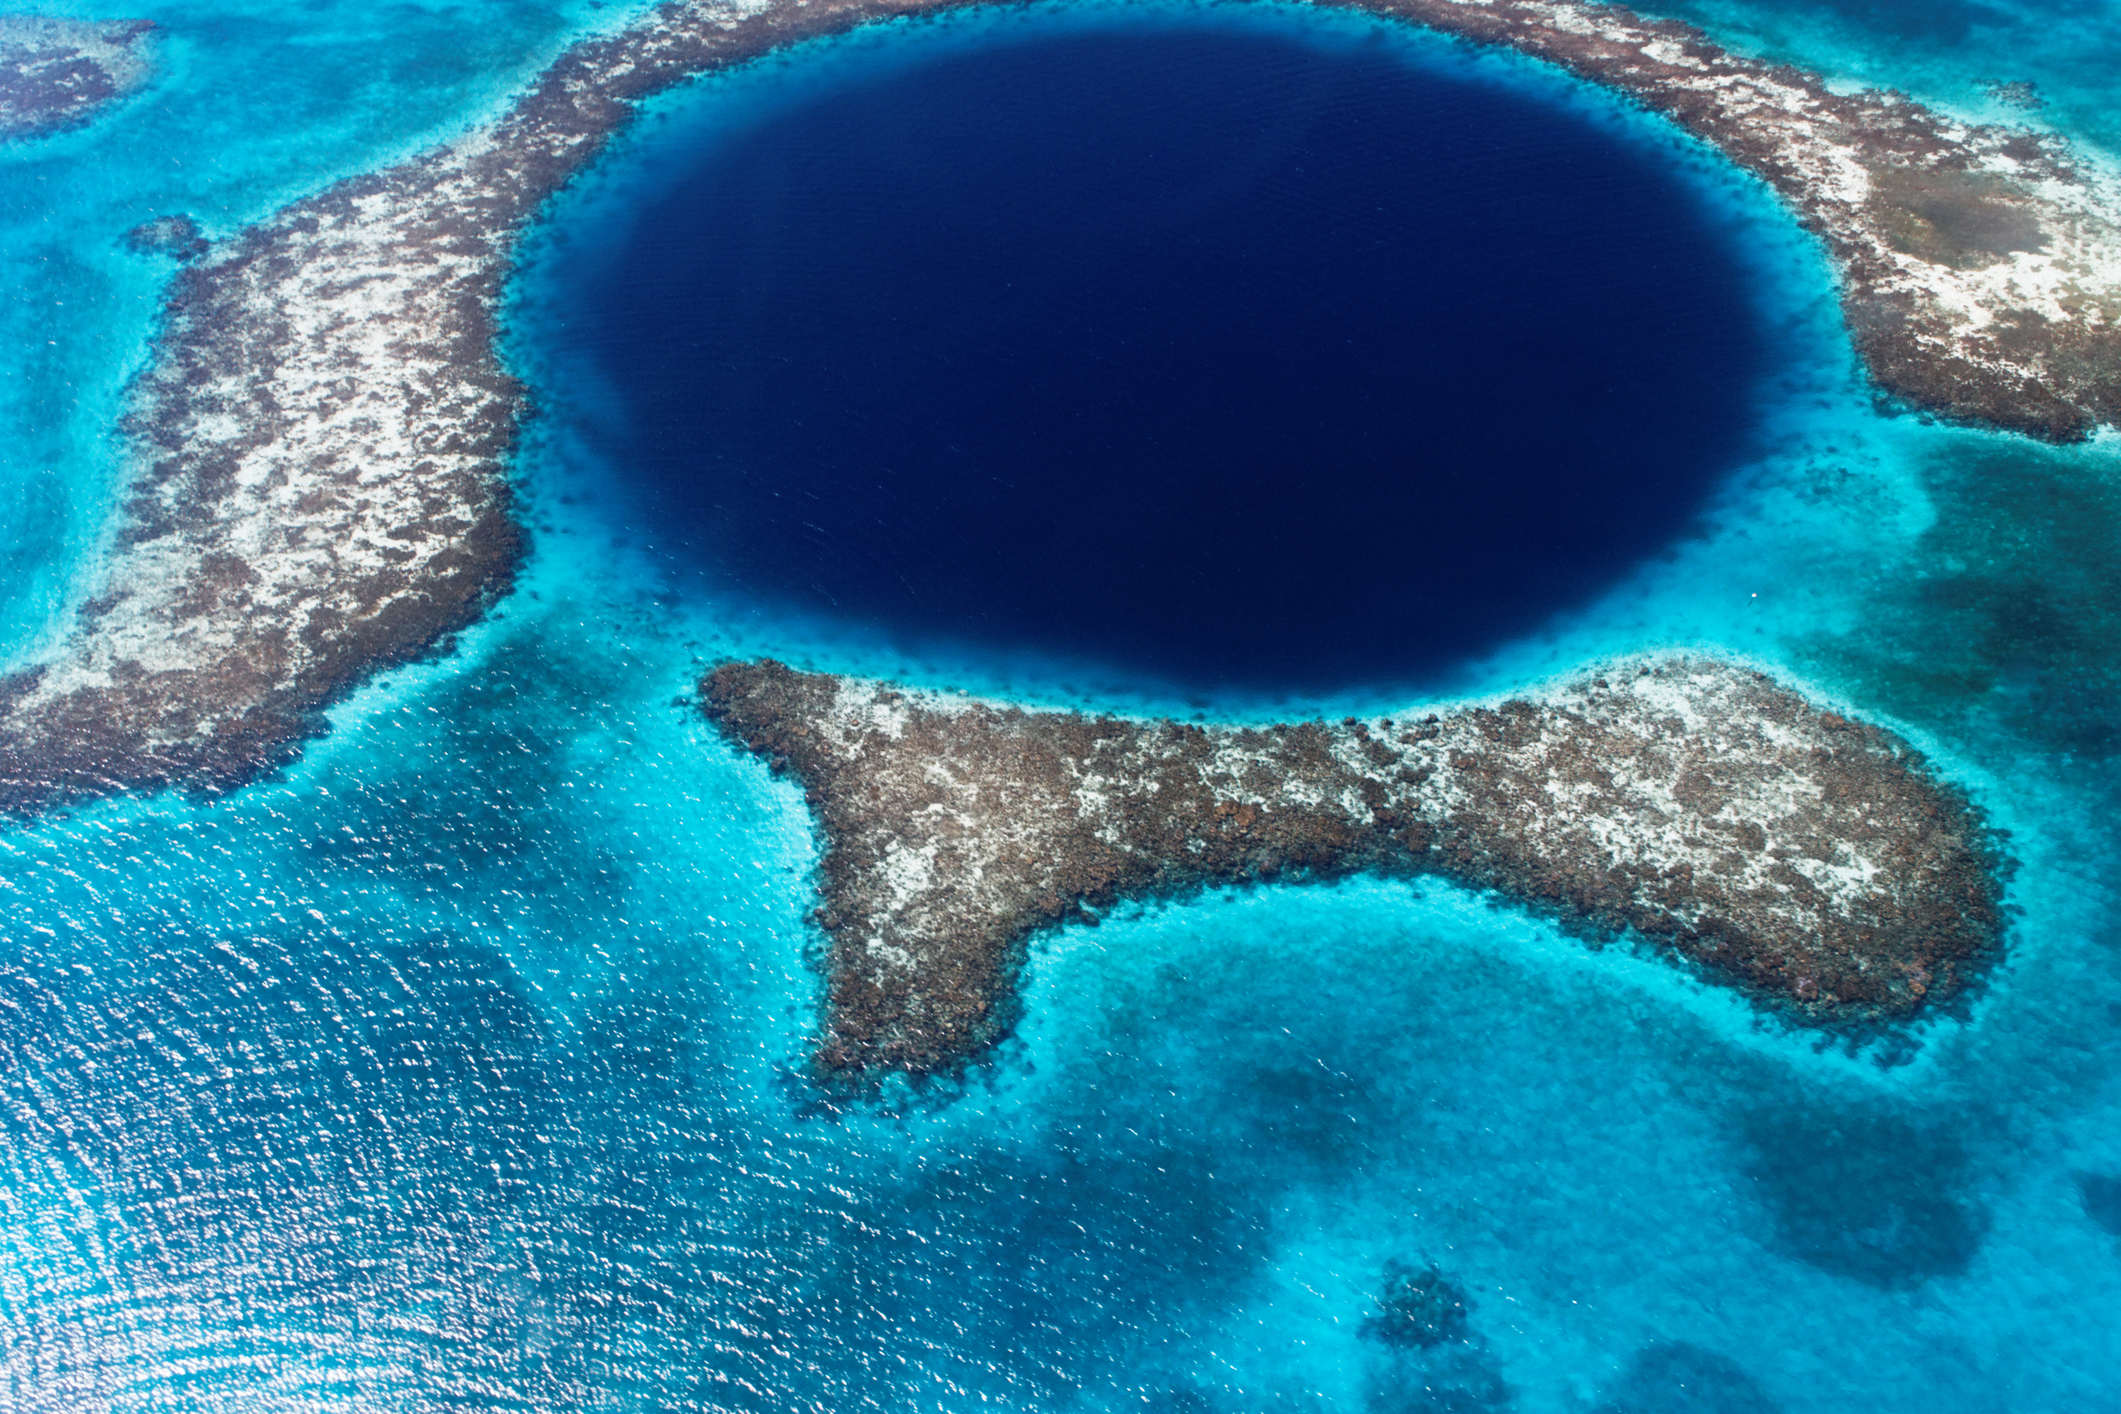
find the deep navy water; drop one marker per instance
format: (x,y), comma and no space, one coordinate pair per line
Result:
(459,1066)
(1219,357)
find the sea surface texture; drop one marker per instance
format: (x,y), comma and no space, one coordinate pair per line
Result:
(1253,362)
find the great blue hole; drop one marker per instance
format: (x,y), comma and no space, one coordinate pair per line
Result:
(1219,358)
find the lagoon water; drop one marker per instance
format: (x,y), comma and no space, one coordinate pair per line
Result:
(460,1066)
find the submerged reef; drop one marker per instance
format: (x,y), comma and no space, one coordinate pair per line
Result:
(2101,1195)
(1872,1193)
(1673,1377)
(320,440)
(1812,861)
(56,74)
(1421,1308)
(177,237)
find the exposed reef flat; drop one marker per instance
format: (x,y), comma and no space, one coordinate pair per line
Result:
(1813,861)
(322,435)
(55,74)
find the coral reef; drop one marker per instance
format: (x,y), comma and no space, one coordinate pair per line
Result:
(57,74)
(1813,861)
(1420,1308)
(178,237)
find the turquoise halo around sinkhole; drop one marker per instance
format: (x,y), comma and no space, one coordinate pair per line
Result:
(1274,364)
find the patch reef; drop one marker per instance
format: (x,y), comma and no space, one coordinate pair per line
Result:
(56,74)
(1812,861)
(322,437)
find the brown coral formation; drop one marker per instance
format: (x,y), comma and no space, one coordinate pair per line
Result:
(55,74)
(1813,861)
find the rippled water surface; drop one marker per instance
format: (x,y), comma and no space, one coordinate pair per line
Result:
(460,1066)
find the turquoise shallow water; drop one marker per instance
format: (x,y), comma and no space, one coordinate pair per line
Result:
(456,1068)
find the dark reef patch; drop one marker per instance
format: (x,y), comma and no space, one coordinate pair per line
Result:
(1962,219)
(1225,358)
(1460,1376)
(2101,1195)
(2011,617)
(1871,1195)
(1673,1377)
(1419,1308)
(178,237)
(58,73)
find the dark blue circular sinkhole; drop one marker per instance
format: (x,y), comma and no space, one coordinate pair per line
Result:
(1221,359)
